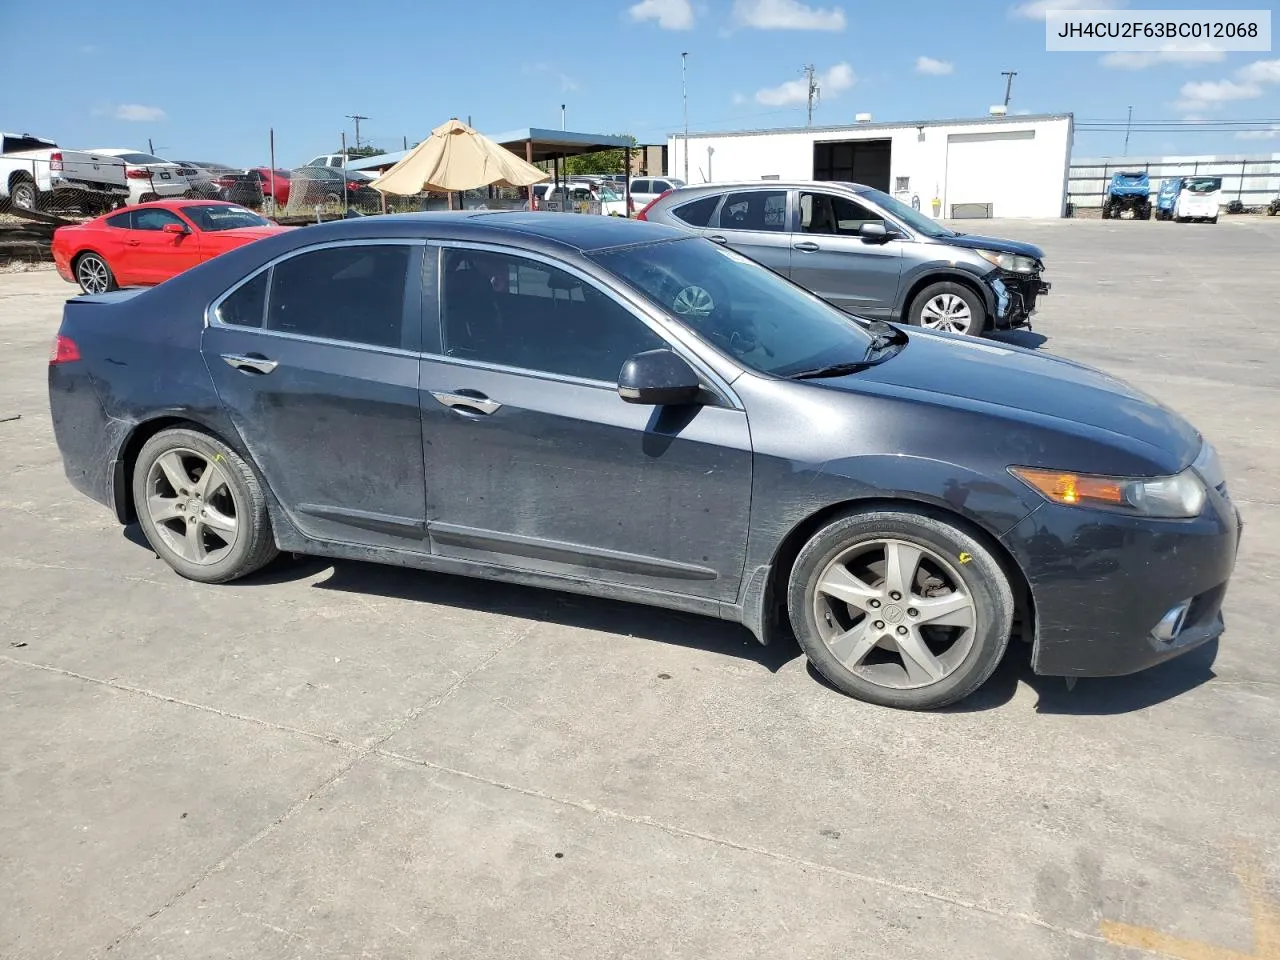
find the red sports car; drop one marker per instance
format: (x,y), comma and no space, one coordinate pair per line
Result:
(148,243)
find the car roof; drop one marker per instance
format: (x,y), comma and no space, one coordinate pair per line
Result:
(575,231)
(773,185)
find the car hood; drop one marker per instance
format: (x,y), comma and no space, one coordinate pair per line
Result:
(250,233)
(995,243)
(1030,386)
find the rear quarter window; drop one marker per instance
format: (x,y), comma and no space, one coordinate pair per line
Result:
(697,213)
(121,221)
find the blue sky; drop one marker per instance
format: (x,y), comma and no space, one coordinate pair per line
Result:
(208,82)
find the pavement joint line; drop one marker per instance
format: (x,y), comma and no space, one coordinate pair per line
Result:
(358,754)
(643,821)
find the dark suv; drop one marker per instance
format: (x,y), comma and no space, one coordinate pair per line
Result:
(866,252)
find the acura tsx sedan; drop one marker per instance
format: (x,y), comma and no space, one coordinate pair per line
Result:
(618,408)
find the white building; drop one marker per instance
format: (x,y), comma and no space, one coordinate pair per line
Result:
(989,167)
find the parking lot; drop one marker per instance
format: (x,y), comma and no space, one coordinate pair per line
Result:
(347,760)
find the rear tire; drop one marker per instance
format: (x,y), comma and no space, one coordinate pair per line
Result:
(935,308)
(93,274)
(24,194)
(201,507)
(900,608)
(1106,210)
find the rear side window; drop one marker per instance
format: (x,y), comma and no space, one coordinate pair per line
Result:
(755,210)
(121,221)
(640,186)
(245,307)
(353,293)
(697,213)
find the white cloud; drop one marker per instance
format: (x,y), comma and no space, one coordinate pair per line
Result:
(567,83)
(840,77)
(1036,9)
(670,14)
(787,15)
(1268,133)
(1134,60)
(934,68)
(1260,71)
(1211,94)
(138,113)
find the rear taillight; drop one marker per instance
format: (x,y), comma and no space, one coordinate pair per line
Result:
(224,182)
(64,350)
(138,173)
(55,161)
(641,214)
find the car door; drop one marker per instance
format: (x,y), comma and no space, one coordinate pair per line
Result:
(755,222)
(315,360)
(829,258)
(156,253)
(535,462)
(111,242)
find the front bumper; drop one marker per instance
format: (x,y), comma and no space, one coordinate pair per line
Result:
(1101,584)
(1023,290)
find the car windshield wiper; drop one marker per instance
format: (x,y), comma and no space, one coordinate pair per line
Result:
(883,336)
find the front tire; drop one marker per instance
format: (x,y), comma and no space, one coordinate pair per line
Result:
(949,307)
(93,274)
(900,608)
(201,507)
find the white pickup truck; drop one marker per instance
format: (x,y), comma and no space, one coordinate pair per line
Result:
(33,169)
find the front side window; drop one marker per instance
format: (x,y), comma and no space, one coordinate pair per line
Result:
(353,293)
(640,186)
(832,215)
(515,312)
(755,210)
(747,311)
(153,218)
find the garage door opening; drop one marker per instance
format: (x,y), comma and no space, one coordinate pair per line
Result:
(856,161)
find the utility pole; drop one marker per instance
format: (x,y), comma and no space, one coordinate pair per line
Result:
(1127,125)
(1008,85)
(357,118)
(562,116)
(814,91)
(684,94)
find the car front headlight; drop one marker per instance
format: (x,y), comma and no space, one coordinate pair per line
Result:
(1179,497)
(1008,261)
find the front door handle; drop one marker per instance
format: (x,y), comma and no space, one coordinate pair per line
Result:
(133,243)
(477,403)
(718,239)
(805,246)
(252,363)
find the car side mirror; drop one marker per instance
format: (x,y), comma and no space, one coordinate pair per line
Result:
(176,228)
(874,233)
(659,378)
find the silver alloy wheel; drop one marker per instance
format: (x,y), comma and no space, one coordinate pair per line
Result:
(947,312)
(693,301)
(193,506)
(894,613)
(92,275)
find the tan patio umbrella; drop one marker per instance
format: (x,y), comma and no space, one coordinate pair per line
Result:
(456,158)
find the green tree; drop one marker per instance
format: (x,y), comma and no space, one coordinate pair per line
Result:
(365,151)
(603,161)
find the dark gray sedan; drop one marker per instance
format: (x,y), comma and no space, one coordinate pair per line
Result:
(617,408)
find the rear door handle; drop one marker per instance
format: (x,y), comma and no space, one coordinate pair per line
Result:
(251,363)
(718,239)
(477,403)
(806,246)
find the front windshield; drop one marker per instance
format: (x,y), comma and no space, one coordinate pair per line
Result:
(762,320)
(912,217)
(211,219)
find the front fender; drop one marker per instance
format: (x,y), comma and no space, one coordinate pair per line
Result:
(933,271)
